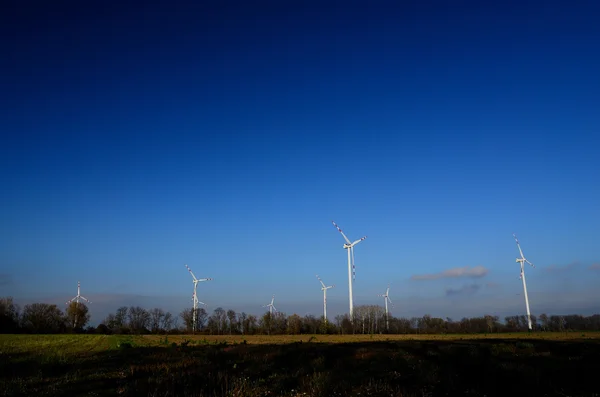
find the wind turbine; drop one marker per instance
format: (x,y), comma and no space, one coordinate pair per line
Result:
(195,296)
(324,289)
(386,298)
(522,261)
(350,247)
(79,296)
(271,306)
(76,299)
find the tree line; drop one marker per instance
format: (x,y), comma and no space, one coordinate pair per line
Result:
(368,319)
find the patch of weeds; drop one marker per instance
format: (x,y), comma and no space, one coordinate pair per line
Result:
(502,348)
(123,345)
(318,363)
(524,345)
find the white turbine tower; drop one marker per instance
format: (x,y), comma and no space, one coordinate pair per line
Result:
(324,289)
(522,261)
(76,299)
(350,247)
(271,306)
(386,298)
(195,296)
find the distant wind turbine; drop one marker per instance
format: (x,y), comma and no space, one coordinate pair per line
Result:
(195,296)
(522,261)
(271,306)
(387,299)
(79,296)
(350,247)
(324,289)
(76,299)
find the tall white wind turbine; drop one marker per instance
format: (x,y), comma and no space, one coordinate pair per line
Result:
(522,261)
(324,289)
(350,247)
(195,296)
(271,306)
(386,298)
(79,296)
(76,299)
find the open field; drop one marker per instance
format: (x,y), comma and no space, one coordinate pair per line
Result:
(550,364)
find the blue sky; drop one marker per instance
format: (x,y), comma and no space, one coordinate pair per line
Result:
(228,137)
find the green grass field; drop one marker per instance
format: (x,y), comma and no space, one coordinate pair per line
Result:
(550,364)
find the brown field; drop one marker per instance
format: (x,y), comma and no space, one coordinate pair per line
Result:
(544,364)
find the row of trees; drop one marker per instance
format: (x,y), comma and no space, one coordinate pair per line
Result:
(368,319)
(42,318)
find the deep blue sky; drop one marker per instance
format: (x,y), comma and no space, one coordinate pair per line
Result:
(227,135)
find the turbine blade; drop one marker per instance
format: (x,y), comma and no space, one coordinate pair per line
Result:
(340,230)
(321,281)
(529,263)
(190,270)
(85,299)
(519,246)
(203,279)
(359,240)
(388,298)
(272,299)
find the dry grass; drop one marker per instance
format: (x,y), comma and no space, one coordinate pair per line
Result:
(284,339)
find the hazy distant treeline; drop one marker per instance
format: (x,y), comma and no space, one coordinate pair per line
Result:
(368,319)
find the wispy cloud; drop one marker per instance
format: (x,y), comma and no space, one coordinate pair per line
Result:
(594,266)
(492,285)
(5,279)
(465,271)
(464,290)
(561,268)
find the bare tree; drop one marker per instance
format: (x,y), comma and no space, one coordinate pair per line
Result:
(242,319)
(121,318)
(251,324)
(156,319)
(139,319)
(77,315)
(231,317)
(43,318)
(167,322)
